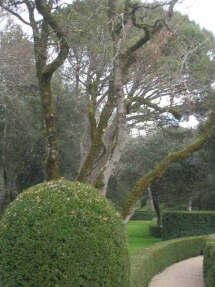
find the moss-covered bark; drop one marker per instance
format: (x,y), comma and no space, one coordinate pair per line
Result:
(161,167)
(98,148)
(122,62)
(44,73)
(52,161)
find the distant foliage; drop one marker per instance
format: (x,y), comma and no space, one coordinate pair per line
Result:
(181,224)
(63,233)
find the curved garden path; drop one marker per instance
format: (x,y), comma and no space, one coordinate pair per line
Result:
(187,273)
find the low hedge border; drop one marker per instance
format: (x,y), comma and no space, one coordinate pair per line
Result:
(209,261)
(149,261)
(154,229)
(143,215)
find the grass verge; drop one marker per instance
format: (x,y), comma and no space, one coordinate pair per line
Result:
(138,236)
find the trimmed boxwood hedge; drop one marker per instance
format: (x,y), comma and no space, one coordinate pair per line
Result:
(149,261)
(183,223)
(143,215)
(154,229)
(65,234)
(209,261)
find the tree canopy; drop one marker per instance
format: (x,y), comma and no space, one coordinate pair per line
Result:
(92,73)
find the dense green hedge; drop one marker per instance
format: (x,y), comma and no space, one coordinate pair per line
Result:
(183,223)
(154,229)
(63,234)
(209,261)
(148,262)
(143,215)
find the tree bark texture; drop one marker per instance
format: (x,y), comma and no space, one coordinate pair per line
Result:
(121,125)
(122,62)
(150,198)
(95,158)
(44,73)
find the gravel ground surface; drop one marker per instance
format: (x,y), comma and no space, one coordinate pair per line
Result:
(187,273)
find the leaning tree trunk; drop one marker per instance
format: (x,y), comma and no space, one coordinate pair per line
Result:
(160,168)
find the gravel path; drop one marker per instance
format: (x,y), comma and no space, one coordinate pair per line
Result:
(187,273)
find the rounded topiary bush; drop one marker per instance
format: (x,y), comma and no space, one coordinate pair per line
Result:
(62,234)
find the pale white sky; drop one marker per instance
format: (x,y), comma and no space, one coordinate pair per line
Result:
(201,11)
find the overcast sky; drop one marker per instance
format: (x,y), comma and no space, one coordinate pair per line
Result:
(201,11)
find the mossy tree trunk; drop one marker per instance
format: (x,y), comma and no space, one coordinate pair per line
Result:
(45,72)
(158,171)
(45,68)
(105,146)
(98,149)
(122,62)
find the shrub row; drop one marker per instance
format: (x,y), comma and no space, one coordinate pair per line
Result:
(148,262)
(154,229)
(209,261)
(184,223)
(143,215)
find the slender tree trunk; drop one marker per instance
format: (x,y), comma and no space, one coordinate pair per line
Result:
(156,204)
(150,199)
(189,205)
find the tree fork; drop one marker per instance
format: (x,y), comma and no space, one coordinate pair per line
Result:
(88,172)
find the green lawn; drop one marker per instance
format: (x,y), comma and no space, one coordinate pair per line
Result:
(138,235)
